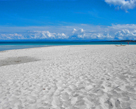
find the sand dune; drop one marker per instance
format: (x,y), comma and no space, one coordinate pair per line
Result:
(69,77)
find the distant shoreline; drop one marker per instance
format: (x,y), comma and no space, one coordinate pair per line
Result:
(63,41)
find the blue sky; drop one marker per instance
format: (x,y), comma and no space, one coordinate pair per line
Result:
(68,19)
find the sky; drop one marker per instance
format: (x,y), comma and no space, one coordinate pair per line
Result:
(68,19)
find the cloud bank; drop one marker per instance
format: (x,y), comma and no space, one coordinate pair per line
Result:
(79,32)
(126,34)
(122,4)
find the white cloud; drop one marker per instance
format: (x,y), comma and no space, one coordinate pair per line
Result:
(61,36)
(42,34)
(125,26)
(125,34)
(79,32)
(122,4)
(74,30)
(11,36)
(89,34)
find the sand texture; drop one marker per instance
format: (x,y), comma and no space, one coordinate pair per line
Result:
(16,60)
(69,77)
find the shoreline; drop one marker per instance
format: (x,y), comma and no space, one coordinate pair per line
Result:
(39,46)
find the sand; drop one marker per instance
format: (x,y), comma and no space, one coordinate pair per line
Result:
(69,77)
(16,60)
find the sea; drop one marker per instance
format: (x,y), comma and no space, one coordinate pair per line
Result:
(23,45)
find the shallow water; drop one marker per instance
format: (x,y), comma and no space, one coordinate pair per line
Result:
(22,45)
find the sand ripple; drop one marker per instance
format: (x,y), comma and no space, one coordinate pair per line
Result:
(81,77)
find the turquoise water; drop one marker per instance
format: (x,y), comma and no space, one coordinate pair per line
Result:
(22,45)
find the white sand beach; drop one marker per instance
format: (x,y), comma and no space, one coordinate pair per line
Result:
(69,77)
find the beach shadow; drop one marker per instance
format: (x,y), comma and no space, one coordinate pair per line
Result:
(17,60)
